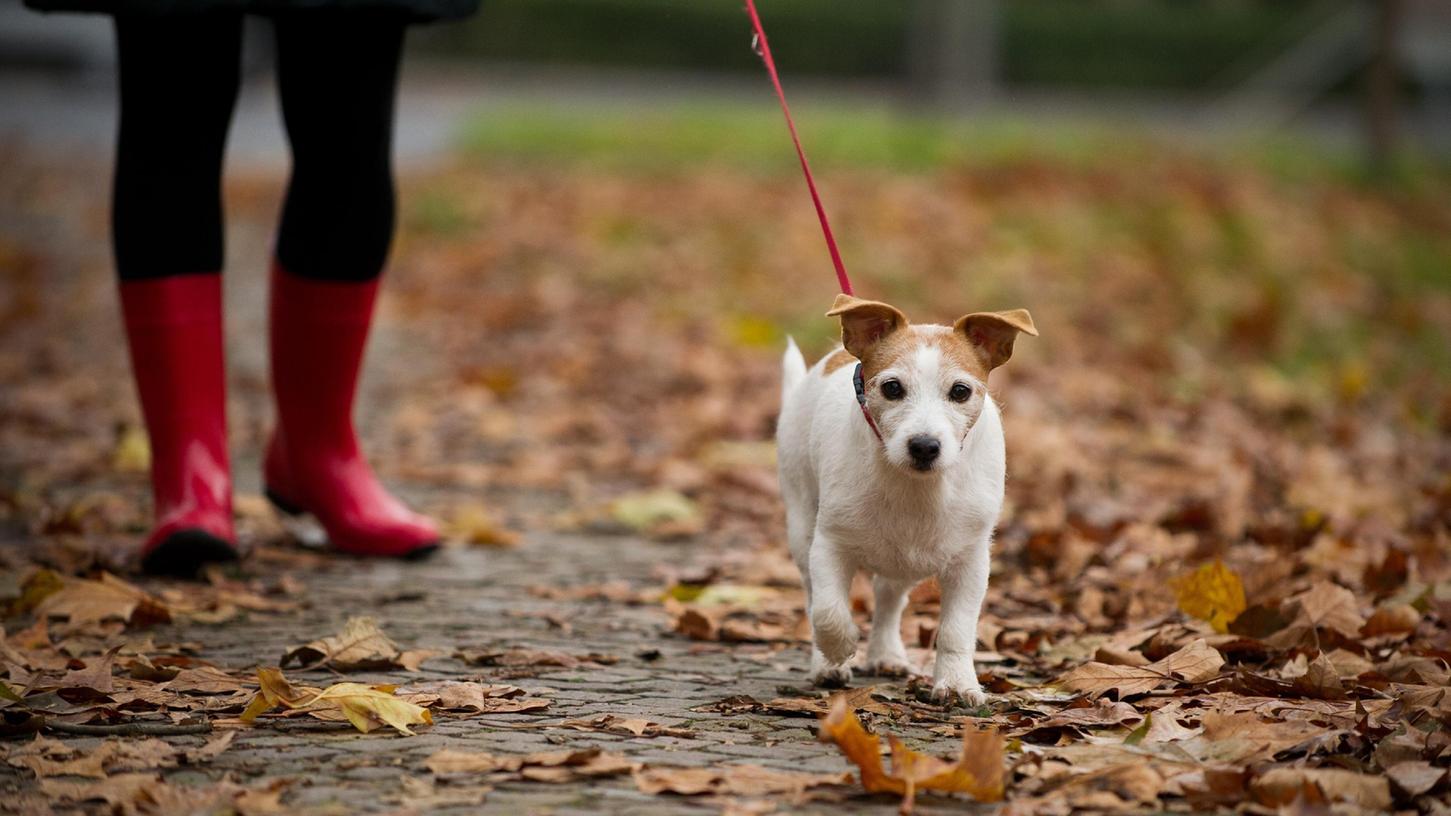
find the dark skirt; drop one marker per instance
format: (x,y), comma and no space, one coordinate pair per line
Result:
(416,10)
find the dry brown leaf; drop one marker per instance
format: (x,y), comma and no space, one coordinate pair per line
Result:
(732,780)
(533,658)
(623,725)
(82,603)
(1280,786)
(479,698)
(421,794)
(1194,663)
(978,772)
(549,766)
(213,748)
(1321,680)
(1391,619)
(1416,777)
(450,761)
(360,645)
(122,791)
(204,680)
(1324,607)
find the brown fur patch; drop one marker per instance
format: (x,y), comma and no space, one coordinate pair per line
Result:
(838,359)
(900,343)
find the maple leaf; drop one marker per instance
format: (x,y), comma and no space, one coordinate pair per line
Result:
(360,645)
(82,603)
(1324,607)
(978,772)
(366,707)
(1213,593)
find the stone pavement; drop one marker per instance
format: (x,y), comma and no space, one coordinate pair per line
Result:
(478,597)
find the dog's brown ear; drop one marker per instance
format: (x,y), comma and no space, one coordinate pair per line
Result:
(865,322)
(994,332)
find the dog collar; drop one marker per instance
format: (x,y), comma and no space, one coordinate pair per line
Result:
(860,384)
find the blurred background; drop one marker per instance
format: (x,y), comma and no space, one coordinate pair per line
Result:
(1231,220)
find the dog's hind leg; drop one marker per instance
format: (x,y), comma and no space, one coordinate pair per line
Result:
(885,653)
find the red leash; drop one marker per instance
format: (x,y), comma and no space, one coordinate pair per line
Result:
(841,277)
(764,50)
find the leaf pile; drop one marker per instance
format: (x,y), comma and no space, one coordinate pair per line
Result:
(1222,579)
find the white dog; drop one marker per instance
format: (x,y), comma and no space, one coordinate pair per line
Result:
(896,470)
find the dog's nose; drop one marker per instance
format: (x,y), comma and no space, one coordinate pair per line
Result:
(924,450)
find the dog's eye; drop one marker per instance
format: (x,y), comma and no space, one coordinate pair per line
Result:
(893,390)
(960,392)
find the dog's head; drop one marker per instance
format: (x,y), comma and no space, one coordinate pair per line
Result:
(926,384)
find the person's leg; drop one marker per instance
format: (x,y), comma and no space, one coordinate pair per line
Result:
(178,78)
(337,78)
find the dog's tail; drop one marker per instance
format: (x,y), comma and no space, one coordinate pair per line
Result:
(793,367)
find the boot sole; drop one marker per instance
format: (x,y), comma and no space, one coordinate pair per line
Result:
(185,552)
(288,508)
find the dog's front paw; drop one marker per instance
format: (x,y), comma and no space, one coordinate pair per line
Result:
(827,674)
(957,681)
(970,696)
(835,636)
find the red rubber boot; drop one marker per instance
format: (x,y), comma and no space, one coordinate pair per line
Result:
(314,464)
(174,329)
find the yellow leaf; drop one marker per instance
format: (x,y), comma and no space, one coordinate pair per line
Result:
(754,332)
(1212,593)
(40,585)
(478,526)
(133,451)
(643,511)
(366,707)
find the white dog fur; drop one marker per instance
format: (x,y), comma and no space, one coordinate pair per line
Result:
(856,503)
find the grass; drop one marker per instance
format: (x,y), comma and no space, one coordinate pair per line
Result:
(1266,252)
(752,137)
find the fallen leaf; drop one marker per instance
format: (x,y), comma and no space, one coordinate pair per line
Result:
(1280,786)
(132,453)
(1194,663)
(38,585)
(978,772)
(476,525)
(659,513)
(614,724)
(479,698)
(360,645)
(81,603)
(534,658)
(213,748)
(549,766)
(732,780)
(366,707)
(1324,607)
(1416,777)
(1213,593)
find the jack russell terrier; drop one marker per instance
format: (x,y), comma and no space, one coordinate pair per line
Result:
(903,480)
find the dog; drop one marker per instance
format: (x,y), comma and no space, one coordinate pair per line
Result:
(891,461)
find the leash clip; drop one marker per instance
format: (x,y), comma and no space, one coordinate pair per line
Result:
(860,384)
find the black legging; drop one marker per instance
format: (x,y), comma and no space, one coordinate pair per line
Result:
(337,75)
